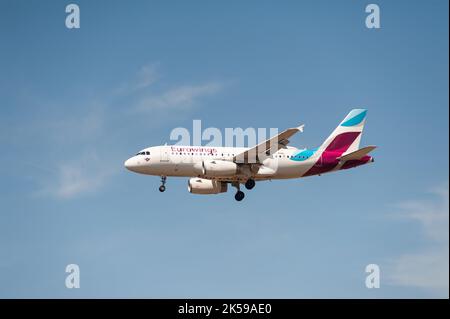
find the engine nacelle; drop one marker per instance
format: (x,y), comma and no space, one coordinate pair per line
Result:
(216,168)
(206,186)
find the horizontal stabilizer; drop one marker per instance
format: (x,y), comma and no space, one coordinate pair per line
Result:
(357,154)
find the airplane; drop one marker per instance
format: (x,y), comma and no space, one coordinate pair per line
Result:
(211,169)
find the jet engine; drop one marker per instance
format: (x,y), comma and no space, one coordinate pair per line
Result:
(206,186)
(216,168)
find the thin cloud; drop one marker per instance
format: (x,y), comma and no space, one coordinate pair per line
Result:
(179,97)
(83,127)
(147,97)
(145,78)
(74,178)
(429,268)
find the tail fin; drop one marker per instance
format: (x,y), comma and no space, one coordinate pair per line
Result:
(347,136)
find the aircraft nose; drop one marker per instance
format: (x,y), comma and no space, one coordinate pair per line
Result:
(129,164)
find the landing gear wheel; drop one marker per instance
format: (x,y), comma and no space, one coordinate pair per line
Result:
(162,188)
(239,196)
(249,184)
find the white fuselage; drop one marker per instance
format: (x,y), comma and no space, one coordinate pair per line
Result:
(186,161)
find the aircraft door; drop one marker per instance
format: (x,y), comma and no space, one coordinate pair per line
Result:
(164,156)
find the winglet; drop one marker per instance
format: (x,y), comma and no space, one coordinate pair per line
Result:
(300,128)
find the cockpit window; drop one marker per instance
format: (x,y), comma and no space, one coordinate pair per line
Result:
(143,153)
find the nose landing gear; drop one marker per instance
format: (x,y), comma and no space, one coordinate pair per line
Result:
(162,188)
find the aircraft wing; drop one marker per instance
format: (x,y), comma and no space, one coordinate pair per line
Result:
(252,155)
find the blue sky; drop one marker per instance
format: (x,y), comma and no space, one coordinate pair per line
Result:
(76,103)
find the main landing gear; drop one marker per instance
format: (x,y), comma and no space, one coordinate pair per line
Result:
(239,194)
(249,184)
(162,188)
